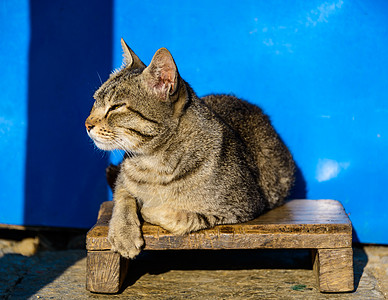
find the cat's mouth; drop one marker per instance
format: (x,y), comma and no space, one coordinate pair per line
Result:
(108,143)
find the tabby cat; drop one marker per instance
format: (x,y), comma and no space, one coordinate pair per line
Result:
(191,163)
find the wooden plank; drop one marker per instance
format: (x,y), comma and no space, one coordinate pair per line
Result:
(297,224)
(105,271)
(244,241)
(333,269)
(97,238)
(211,239)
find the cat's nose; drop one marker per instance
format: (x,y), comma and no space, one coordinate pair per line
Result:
(88,125)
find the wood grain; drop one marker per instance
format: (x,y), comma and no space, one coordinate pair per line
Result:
(297,224)
(105,271)
(333,269)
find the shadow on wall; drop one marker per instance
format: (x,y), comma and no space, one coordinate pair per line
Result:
(299,190)
(71,44)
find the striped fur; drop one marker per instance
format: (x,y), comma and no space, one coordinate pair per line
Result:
(191,163)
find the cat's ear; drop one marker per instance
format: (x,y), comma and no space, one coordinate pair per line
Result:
(162,74)
(130,59)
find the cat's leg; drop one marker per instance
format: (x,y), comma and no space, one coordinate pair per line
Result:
(178,221)
(125,233)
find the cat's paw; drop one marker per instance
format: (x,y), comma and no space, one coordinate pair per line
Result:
(125,239)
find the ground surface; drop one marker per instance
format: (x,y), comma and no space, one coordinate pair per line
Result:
(262,274)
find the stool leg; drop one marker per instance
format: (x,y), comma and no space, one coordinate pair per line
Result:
(333,269)
(105,271)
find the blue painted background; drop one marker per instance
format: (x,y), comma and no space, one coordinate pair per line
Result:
(318,68)
(51,53)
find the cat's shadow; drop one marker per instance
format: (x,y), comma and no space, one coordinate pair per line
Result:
(159,262)
(299,190)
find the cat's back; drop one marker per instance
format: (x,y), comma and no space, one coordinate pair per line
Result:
(246,119)
(274,161)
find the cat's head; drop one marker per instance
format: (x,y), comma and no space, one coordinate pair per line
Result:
(137,105)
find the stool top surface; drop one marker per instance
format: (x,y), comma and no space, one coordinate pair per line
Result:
(297,220)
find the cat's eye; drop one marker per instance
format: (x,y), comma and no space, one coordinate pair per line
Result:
(114,107)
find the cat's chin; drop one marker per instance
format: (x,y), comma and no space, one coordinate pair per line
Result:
(104,146)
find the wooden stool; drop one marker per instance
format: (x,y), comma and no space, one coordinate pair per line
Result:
(320,225)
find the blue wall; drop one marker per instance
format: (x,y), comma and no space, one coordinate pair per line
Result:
(318,68)
(14,42)
(51,53)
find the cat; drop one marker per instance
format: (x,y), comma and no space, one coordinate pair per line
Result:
(191,163)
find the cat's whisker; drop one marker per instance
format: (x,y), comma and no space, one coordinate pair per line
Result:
(116,153)
(102,152)
(99,77)
(119,143)
(138,150)
(130,153)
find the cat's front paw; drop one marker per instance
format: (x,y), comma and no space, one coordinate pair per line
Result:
(125,239)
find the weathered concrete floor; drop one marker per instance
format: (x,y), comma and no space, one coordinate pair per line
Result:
(274,274)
